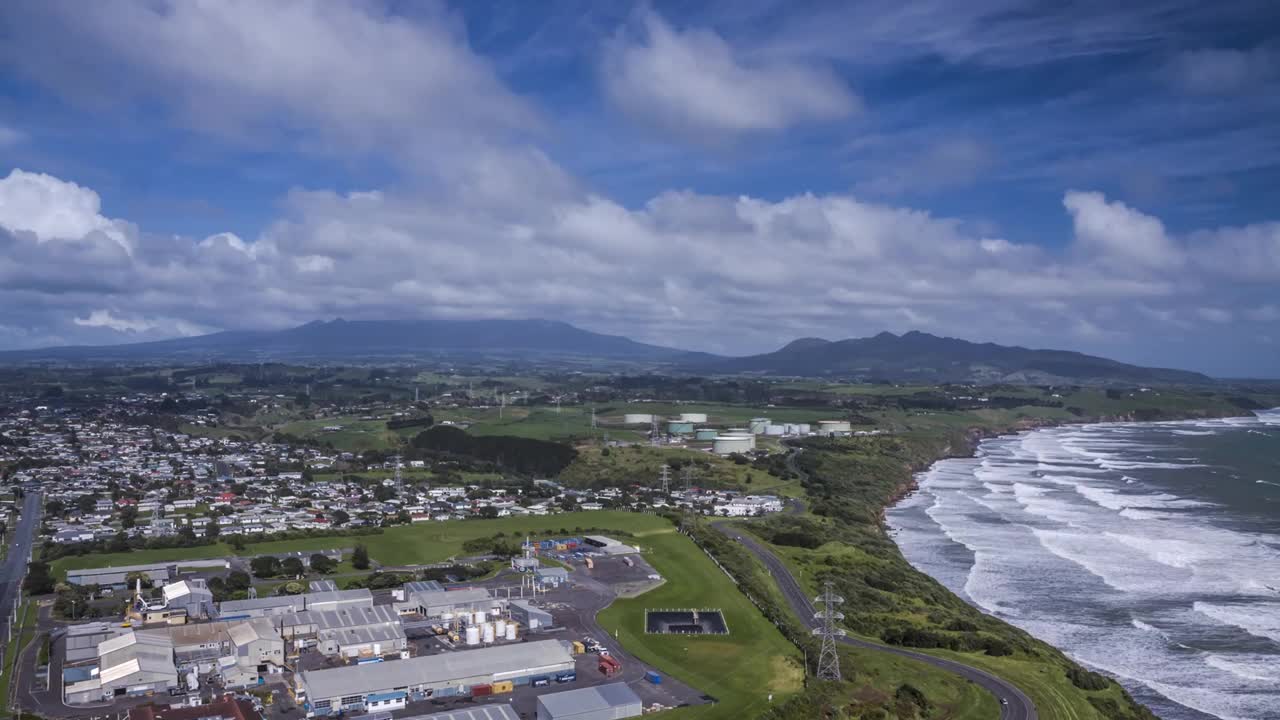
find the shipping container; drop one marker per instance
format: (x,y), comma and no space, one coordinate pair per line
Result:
(540,681)
(503,686)
(578,648)
(481,690)
(445,692)
(653,677)
(565,677)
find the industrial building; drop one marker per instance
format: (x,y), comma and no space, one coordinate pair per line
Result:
(439,603)
(389,686)
(281,604)
(351,632)
(602,702)
(835,428)
(117,577)
(130,664)
(529,616)
(191,596)
(82,641)
(552,577)
(484,712)
(227,707)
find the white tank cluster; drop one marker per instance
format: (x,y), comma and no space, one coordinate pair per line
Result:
(637,419)
(758,425)
(511,631)
(473,635)
(728,444)
(693,417)
(488,633)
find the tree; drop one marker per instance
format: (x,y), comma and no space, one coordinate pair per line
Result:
(340,517)
(265,566)
(54,508)
(238,580)
(86,503)
(360,557)
(132,579)
(237,543)
(39,581)
(187,535)
(488,512)
(128,516)
(322,563)
(292,567)
(211,530)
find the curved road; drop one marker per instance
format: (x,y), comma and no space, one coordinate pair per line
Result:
(1018,707)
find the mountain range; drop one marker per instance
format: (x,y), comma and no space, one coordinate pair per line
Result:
(911,357)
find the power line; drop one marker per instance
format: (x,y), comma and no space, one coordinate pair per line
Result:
(829,659)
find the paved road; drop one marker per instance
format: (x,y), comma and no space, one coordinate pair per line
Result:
(20,540)
(1019,705)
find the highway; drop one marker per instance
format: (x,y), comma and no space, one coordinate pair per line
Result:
(1019,706)
(20,540)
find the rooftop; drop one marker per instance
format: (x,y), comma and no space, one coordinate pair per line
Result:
(582,700)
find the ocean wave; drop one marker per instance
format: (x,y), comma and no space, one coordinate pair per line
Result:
(1258,619)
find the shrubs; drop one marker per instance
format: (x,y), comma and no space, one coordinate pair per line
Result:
(1087,680)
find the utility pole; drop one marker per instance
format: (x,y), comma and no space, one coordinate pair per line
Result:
(666,479)
(829,660)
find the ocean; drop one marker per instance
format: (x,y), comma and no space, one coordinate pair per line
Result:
(1148,551)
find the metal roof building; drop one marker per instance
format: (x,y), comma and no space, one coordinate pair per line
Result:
(387,685)
(279,604)
(484,712)
(523,612)
(602,702)
(440,602)
(117,576)
(135,664)
(82,640)
(351,632)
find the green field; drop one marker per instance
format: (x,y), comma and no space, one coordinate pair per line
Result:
(420,543)
(642,464)
(740,669)
(720,413)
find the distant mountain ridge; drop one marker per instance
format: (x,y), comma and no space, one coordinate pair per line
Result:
(911,357)
(920,357)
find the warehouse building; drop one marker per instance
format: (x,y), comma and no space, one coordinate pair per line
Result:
(484,712)
(551,576)
(438,603)
(82,641)
(387,686)
(352,632)
(117,577)
(529,616)
(281,604)
(602,702)
(131,664)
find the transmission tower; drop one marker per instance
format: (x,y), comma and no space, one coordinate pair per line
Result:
(666,479)
(686,474)
(653,430)
(829,659)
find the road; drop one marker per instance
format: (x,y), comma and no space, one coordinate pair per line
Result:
(1019,705)
(20,541)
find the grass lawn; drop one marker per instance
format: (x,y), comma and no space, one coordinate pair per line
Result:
(740,669)
(428,542)
(22,634)
(642,464)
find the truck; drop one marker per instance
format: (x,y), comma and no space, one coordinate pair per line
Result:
(578,648)
(540,681)
(653,677)
(609,666)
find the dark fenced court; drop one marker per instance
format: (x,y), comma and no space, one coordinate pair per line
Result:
(685,622)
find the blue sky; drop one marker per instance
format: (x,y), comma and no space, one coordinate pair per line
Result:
(722,176)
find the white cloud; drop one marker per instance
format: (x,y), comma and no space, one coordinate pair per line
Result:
(693,82)
(105,319)
(53,209)
(1116,231)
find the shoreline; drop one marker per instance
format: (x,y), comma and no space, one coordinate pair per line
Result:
(974,437)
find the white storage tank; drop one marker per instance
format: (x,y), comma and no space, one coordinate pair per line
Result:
(488,633)
(802,429)
(478,617)
(500,628)
(473,635)
(729,444)
(693,417)
(834,427)
(775,430)
(511,631)
(637,419)
(758,425)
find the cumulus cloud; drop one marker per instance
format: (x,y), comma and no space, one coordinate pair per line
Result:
(1120,233)
(695,270)
(693,82)
(54,209)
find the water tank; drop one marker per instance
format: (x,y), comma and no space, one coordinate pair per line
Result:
(473,635)
(757,425)
(488,632)
(511,631)
(193,682)
(637,419)
(446,616)
(705,434)
(478,617)
(693,417)
(838,427)
(500,628)
(729,444)
(803,429)
(775,430)
(679,428)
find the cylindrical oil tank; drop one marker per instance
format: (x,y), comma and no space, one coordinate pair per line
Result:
(511,631)
(803,429)
(693,417)
(775,430)
(446,617)
(679,428)
(473,635)
(757,425)
(729,444)
(736,431)
(500,628)
(826,427)
(637,419)
(477,617)
(790,429)
(488,632)
(705,434)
